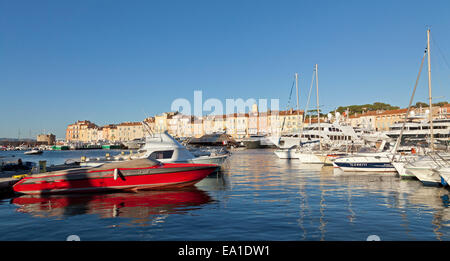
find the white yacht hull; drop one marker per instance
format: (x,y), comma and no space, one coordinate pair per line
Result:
(310,158)
(400,168)
(425,174)
(326,159)
(375,163)
(445,174)
(304,157)
(286,154)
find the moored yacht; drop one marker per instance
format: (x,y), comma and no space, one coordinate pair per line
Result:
(423,169)
(327,133)
(34,151)
(371,162)
(426,168)
(421,130)
(257,141)
(444,172)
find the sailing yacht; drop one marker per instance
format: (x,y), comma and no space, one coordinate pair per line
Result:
(333,135)
(425,168)
(306,155)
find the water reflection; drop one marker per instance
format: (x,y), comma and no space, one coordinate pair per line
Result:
(299,201)
(140,206)
(435,200)
(403,194)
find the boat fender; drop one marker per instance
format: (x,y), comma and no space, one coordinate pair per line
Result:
(20,176)
(116,173)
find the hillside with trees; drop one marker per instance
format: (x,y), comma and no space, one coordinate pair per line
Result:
(380,106)
(366,107)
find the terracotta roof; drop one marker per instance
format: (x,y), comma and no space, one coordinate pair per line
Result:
(110,126)
(129,124)
(398,111)
(313,120)
(291,112)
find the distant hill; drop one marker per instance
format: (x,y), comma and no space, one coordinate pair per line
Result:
(366,107)
(15,139)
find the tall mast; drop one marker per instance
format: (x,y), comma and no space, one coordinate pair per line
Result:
(429,92)
(399,138)
(296,86)
(318,112)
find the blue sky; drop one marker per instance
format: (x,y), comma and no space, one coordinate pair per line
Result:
(114,61)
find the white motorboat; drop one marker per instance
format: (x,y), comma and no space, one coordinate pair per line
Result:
(366,162)
(164,148)
(33,152)
(257,141)
(134,144)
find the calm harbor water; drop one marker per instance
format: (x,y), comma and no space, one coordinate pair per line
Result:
(256,197)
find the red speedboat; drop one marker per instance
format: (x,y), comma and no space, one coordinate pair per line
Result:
(137,174)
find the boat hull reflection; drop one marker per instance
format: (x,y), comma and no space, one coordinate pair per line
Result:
(142,204)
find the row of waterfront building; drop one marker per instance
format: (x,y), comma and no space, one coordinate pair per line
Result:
(238,125)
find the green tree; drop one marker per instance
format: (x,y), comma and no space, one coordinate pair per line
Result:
(420,104)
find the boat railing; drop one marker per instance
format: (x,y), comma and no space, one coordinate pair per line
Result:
(438,159)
